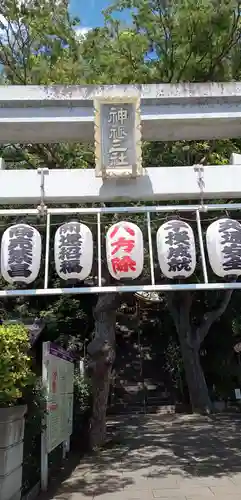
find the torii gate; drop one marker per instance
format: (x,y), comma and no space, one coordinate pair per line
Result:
(33,114)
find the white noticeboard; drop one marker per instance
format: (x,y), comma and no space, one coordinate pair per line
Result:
(58,380)
(237,393)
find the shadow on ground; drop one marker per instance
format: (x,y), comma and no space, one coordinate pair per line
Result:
(158,448)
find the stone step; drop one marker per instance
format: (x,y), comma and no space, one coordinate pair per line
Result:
(162,409)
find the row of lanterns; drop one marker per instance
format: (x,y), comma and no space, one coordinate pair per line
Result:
(73,250)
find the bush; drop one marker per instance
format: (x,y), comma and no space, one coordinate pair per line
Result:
(15,364)
(81,413)
(81,392)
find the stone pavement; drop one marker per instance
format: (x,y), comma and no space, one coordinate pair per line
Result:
(171,457)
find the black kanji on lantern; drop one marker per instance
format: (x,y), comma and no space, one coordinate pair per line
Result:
(20,251)
(231,244)
(179,255)
(70,248)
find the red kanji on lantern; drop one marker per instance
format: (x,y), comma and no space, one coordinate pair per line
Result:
(123,264)
(127,229)
(124,250)
(122,243)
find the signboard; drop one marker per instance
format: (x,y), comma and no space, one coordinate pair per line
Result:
(58,375)
(237,393)
(118,137)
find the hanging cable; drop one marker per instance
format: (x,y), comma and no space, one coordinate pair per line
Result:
(199,169)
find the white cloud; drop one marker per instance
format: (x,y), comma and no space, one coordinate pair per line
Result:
(4,27)
(3,20)
(81,31)
(9,30)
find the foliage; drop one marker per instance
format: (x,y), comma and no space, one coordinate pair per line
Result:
(159,46)
(220,362)
(81,412)
(82,392)
(37,47)
(35,399)
(15,364)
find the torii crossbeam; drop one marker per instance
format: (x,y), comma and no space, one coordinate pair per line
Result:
(61,113)
(54,114)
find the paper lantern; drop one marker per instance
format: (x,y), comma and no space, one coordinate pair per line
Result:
(176,249)
(73,251)
(20,254)
(124,250)
(223,239)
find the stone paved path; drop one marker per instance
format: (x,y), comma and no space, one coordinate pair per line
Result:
(165,457)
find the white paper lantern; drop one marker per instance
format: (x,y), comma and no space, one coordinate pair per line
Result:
(176,249)
(73,251)
(20,254)
(223,239)
(124,250)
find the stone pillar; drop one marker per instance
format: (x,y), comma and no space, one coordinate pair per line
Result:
(11,451)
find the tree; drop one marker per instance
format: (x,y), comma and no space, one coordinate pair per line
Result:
(191,338)
(36,50)
(158,46)
(173,50)
(102,352)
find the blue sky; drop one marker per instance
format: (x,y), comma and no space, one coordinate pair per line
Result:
(89,11)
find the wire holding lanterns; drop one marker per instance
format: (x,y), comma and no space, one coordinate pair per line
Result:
(177,242)
(42,208)
(43,211)
(199,169)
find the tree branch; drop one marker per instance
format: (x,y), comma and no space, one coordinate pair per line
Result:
(212,316)
(230,43)
(7,54)
(179,76)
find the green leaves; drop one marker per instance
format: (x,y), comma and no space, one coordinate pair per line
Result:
(15,364)
(189,40)
(36,38)
(165,42)
(82,392)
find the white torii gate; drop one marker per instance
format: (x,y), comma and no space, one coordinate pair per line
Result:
(65,113)
(32,114)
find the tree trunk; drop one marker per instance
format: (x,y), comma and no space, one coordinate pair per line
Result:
(198,391)
(179,305)
(100,391)
(102,353)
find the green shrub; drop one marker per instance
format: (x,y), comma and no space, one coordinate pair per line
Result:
(82,393)
(81,412)
(15,364)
